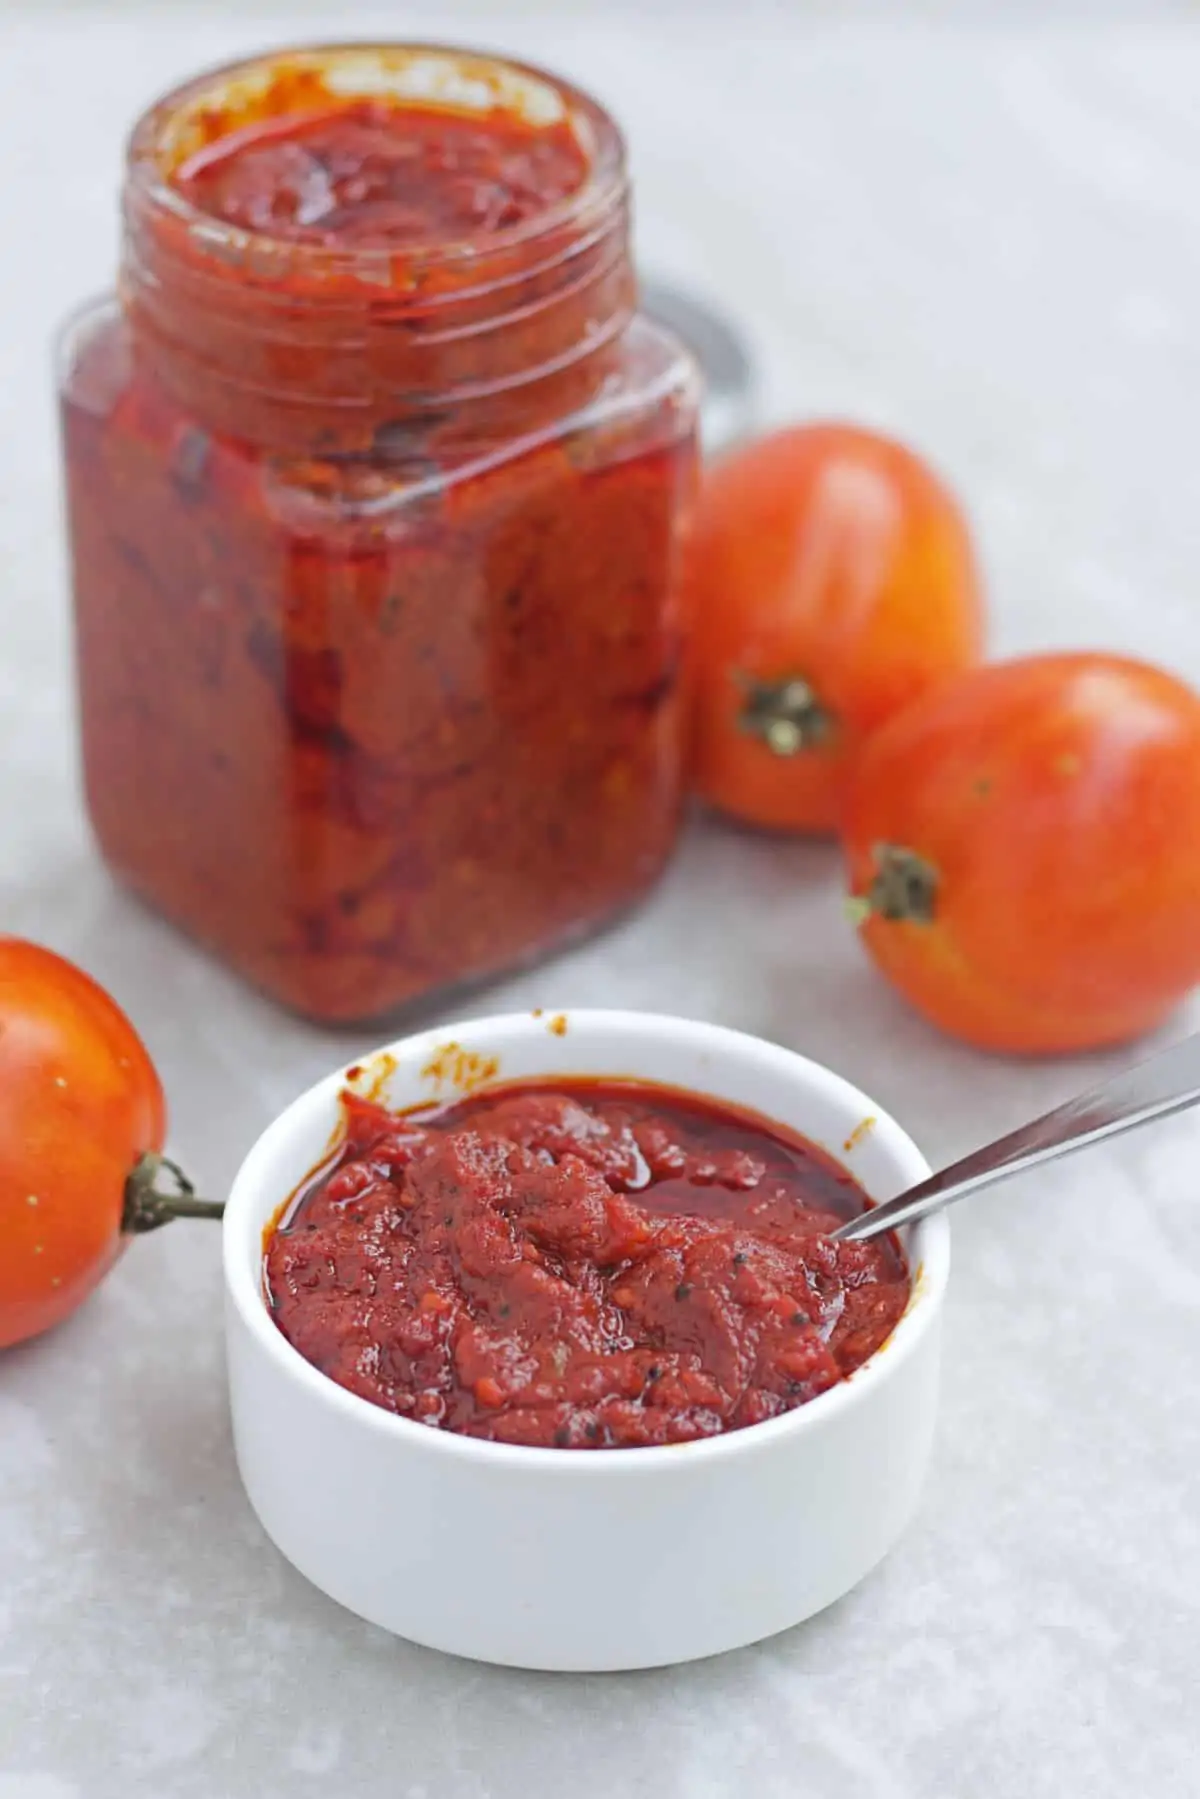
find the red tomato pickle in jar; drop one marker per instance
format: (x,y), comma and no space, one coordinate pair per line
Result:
(376,483)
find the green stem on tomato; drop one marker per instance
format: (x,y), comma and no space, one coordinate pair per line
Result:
(903,888)
(147,1205)
(785,714)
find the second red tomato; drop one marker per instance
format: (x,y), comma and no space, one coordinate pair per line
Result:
(832,580)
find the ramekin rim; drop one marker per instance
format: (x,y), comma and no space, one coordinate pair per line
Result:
(929,1255)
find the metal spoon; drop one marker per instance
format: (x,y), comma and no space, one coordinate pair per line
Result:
(1163,1084)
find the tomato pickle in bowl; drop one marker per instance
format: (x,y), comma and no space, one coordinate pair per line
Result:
(377,482)
(539,1352)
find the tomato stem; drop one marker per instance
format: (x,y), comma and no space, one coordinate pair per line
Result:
(147,1205)
(786,714)
(904,887)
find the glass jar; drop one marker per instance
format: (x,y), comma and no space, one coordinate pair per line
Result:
(376,528)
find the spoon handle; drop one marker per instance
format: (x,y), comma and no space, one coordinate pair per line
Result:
(1166,1083)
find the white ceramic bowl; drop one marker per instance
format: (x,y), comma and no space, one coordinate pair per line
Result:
(573,1559)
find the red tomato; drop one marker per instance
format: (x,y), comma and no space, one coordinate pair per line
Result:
(831,581)
(81,1124)
(1025,845)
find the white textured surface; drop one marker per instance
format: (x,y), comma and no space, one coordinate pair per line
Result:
(985,237)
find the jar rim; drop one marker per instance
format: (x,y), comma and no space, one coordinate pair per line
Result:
(159,143)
